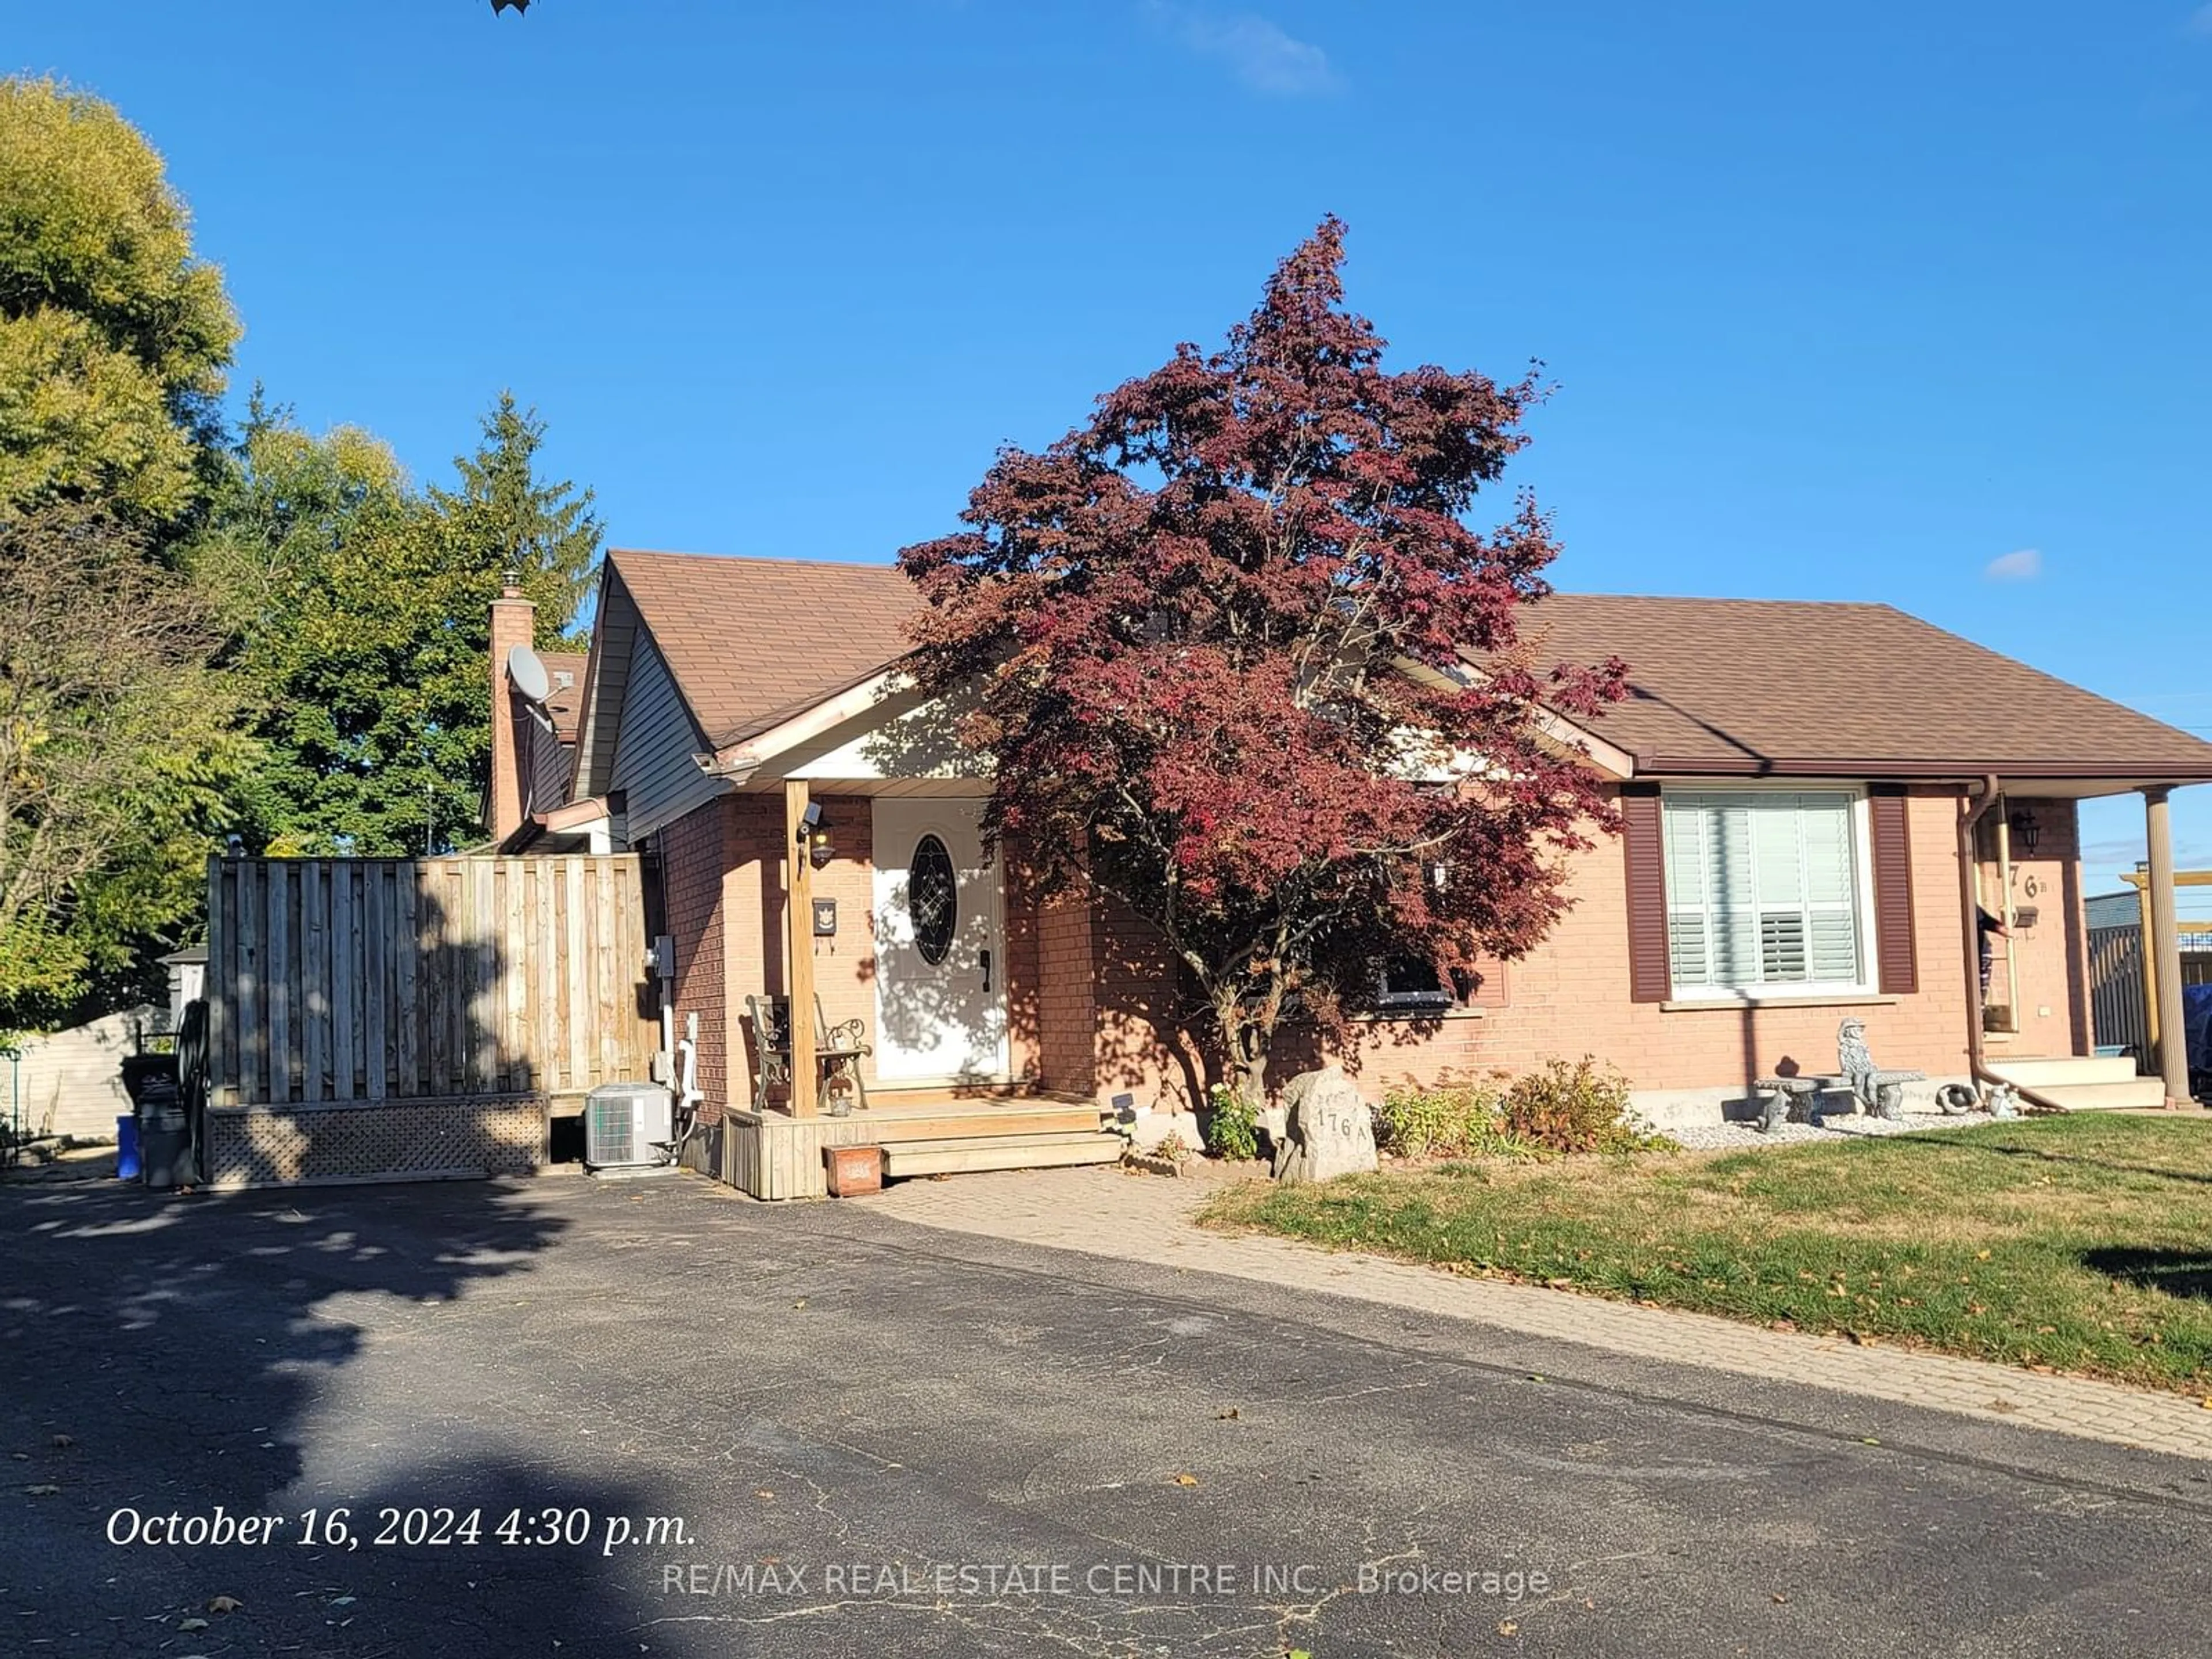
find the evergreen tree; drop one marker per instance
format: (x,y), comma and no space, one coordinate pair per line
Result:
(501,517)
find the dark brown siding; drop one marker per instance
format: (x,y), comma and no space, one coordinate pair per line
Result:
(1644,847)
(1892,892)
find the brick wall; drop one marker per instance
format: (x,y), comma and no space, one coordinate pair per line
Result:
(1570,996)
(1024,946)
(1093,998)
(1067,999)
(1140,1000)
(690,857)
(2050,953)
(752,889)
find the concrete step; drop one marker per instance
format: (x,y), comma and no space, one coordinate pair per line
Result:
(2135,1095)
(2055,1071)
(968,1153)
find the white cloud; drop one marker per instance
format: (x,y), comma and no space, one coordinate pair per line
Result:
(2024,566)
(1260,55)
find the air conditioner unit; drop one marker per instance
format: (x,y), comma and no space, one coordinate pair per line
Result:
(627,1125)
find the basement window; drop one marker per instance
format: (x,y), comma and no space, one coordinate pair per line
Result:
(1408,985)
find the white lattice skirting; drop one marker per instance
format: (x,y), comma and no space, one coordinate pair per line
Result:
(375,1140)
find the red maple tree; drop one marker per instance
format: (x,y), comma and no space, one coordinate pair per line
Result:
(1242,666)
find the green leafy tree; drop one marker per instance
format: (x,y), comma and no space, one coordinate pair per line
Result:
(359,608)
(120,744)
(113,335)
(117,746)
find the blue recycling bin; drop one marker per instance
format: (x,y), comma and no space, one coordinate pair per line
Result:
(126,1148)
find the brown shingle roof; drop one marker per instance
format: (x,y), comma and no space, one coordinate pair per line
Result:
(753,642)
(1717,686)
(565,702)
(1750,686)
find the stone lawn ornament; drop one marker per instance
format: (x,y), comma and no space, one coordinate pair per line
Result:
(2003,1100)
(1957,1100)
(1327,1130)
(1784,1097)
(1880,1093)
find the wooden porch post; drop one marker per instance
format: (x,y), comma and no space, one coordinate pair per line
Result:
(2166,941)
(799,941)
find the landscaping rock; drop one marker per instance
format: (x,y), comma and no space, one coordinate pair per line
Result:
(1327,1130)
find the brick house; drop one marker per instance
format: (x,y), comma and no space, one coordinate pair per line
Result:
(1817,798)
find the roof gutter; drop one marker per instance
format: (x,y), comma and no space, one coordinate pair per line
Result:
(1932,771)
(735,762)
(1970,906)
(1562,733)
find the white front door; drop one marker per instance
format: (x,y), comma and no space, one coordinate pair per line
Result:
(940,949)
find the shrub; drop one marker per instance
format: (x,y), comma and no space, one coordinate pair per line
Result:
(1171,1149)
(1232,1126)
(1454,1121)
(1578,1108)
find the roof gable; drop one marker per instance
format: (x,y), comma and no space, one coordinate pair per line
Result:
(752,641)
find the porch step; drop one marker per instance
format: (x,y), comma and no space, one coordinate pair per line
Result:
(907,1125)
(965,1154)
(2065,1072)
(2133,1096)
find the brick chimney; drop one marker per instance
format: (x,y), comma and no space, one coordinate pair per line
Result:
(513,621)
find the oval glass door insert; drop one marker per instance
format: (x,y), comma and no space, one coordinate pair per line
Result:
(933,889)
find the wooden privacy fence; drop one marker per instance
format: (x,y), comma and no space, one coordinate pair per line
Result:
(418,987)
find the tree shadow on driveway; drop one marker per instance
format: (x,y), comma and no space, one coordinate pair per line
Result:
(270,1354)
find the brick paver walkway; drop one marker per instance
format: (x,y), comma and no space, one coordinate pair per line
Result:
(1105,1212)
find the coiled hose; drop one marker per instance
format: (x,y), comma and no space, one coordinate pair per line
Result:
(192,1078)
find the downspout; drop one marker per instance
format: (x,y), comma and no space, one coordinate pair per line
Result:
(1969,914)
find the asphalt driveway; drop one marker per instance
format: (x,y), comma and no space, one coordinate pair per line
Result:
(577,1419)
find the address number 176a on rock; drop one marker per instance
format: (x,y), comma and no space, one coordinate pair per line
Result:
(1327,1130)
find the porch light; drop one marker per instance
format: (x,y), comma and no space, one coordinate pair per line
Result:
(2025,830)
(814,834)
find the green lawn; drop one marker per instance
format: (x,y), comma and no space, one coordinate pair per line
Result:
(2082,1243)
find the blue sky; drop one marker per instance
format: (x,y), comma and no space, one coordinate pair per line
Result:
(1903,302)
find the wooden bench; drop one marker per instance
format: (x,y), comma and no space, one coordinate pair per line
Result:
(838,1051)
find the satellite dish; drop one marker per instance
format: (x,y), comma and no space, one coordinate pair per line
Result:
(528,674)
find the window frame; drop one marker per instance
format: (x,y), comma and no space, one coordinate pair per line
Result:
(1867,947)
(1413,1002)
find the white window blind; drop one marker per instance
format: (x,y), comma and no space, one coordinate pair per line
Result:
(1762,889)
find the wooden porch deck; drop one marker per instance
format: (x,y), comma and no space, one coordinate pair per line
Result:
(771,1154)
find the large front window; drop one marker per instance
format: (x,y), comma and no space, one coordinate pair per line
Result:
(1764,890)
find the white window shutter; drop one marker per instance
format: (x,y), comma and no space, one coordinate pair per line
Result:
(1762,889)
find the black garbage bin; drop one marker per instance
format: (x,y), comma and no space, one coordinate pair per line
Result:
(143,1072)
(165,1146)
